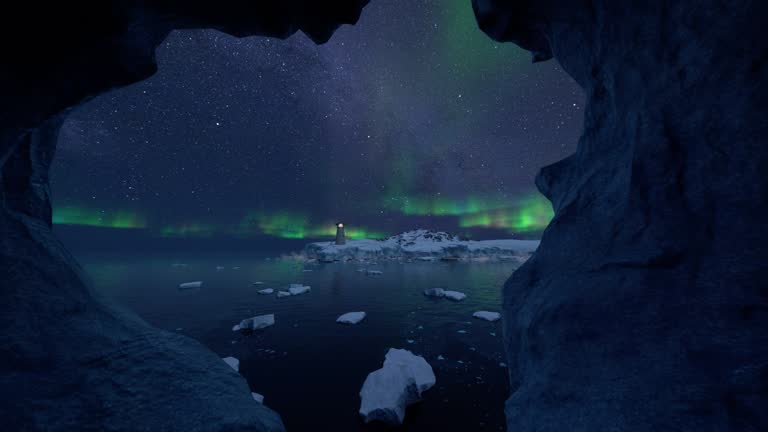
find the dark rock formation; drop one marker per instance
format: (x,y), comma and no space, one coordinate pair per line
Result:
(69,360)
(646,306)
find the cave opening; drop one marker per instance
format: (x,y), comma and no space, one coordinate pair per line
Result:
(629,316)
(237,151)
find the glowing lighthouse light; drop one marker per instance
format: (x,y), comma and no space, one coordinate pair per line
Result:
(340,238)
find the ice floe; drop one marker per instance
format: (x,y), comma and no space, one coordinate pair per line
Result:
(351,318)
(266,291)
(190,285)
(281,294)
(386,392)
(488,316)
(255,323)
(257,397)
(298,289)
(233,363)
(435,292)
(455,295)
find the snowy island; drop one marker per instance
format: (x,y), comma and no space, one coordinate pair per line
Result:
(421,245)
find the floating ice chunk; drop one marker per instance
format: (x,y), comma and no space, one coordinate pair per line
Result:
(502,364)
(440,357)
(233,363)
(421,370)
(385,394)
(307,270)
(462,331)
(351,318)
(373,272)
(488,316)
(281,294)
(399,383)
(361,270)
(266,291)
(297,289)
(219,268)
(255,323)
(258,283)
(455,295)
(492,333)
(257,397)
(179,329)
(235,268)
(410,341)
(435,292)
(189,285)
(426,258)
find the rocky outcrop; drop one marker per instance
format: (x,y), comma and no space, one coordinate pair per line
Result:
(70,360)
(645,307)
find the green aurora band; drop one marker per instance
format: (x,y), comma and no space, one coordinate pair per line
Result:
(532,213)
(293,225)
(73,215)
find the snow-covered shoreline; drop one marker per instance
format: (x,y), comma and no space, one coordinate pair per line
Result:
(421,245)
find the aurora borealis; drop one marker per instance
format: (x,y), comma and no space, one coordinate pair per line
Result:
(411,119)
(532,213)
(98,218)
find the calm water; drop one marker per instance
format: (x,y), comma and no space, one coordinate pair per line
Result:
(308,367)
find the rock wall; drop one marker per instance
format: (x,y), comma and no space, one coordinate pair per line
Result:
(646,306)
(70,360)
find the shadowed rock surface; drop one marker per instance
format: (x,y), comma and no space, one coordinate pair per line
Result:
(646,306)
(69,360)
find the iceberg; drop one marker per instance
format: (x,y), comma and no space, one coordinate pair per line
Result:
(266,291)
(257,397)
(255,323)
(190,285)
(374,272)
(281,294)
(421,245)
(233,363)
(386,392)
(351,318)
(488,316)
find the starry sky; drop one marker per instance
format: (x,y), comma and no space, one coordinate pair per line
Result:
(412,118)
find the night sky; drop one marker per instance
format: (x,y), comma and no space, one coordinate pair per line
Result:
(412,118)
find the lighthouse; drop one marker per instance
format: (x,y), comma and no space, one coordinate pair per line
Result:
(340,238)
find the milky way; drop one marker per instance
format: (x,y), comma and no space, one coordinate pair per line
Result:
(411,117)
